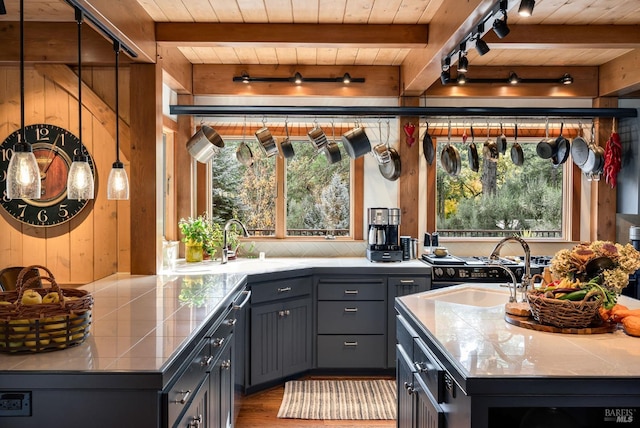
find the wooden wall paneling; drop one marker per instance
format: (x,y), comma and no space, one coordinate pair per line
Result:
(603,197)
(357,184)
(576,191)
(432,205)
(409,178)
(57,106)
(621,75)
(183,165)
(146,160)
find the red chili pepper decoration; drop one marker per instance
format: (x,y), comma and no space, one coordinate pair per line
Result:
(409,129)
(612,159)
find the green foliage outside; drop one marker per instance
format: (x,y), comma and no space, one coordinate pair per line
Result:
(527,198)
(317,193)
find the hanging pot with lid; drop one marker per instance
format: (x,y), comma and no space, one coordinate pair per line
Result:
(450,158)
(356,143)
(579,149)
(390,170)
(204,144)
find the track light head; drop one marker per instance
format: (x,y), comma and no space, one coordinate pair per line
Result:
(462,79)
(481,46)
(500,27)
(526,7)
(445,77)
(566,79)
(245,77)
(297,78)
(346,79)
(463,64)
(513,78)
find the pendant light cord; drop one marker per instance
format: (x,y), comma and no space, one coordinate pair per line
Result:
(22,71)
(79,21)
(116,48)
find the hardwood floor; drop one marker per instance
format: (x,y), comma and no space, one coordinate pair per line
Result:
(260,410)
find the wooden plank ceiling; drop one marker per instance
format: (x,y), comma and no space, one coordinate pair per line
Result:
(560,33)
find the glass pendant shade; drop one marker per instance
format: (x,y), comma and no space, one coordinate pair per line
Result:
(118,184)
(80,179)
(23,174)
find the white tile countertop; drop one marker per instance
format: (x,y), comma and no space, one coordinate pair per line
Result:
(140,322)
(475,337)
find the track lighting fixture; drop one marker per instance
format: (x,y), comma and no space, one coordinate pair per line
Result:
(566,79)
(500,26)
(298,79)
(462,79)
(526,7)
(513,78)
(445,76)
(463,62)
(482,47)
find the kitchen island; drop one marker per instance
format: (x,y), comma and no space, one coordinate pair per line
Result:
(460,364)
(146,333)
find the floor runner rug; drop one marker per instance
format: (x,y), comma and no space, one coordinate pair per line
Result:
(339,399)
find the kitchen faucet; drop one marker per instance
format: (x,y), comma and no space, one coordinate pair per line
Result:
(227,225)
(526,278)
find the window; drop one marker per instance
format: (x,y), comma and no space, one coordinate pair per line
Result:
(316,200)
(501,198)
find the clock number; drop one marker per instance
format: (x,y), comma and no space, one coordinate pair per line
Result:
(63,212)
(6,154)
(3,176)
(42,216)
(22,208)
(4,196)
(42,134)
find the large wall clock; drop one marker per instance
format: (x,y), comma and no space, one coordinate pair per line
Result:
(53,148)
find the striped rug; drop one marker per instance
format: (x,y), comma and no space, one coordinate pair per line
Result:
(339,399)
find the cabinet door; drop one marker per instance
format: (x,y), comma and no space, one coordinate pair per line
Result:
(296,334)
(404,381)
(400,286)
(428,412)
(197,413)
(224,389)
(281,340)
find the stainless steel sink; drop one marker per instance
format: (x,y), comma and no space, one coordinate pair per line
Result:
(470,296)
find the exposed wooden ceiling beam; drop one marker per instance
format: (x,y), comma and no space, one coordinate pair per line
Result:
(621,76)
(567,36)
(292,35)
(450,24)
(54,42)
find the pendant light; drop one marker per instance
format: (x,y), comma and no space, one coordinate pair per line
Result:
(118,184)
(23,174)
(80,179)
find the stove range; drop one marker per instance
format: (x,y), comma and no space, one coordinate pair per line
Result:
(452,269)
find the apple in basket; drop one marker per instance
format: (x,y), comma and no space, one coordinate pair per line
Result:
(31,297)
(51,297)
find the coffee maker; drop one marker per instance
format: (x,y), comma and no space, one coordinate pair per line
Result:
(383,235)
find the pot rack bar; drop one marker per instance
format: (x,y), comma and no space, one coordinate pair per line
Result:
(388,112)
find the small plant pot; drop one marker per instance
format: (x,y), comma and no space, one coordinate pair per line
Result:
(193,252)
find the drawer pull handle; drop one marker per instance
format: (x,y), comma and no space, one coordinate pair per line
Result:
(184,397)
(284,313)
(350,343)
(423,367)
(351,309)
(231,321)
(350,291)
(218,341)
(284,289)
(407,281)
(206,360)
(225,365)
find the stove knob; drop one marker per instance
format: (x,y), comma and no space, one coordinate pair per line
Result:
(518,272)
(451,271)
(438,272)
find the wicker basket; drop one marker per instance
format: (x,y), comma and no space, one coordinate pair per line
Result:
(46,326)
(564,313)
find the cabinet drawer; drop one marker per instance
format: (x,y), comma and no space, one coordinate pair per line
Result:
(352,351)
(420,282)
(276,290)
(178,396)
(405,334)
(352,317)
(352,290)
(429,369)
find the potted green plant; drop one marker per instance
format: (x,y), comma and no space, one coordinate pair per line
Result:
(196,235)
